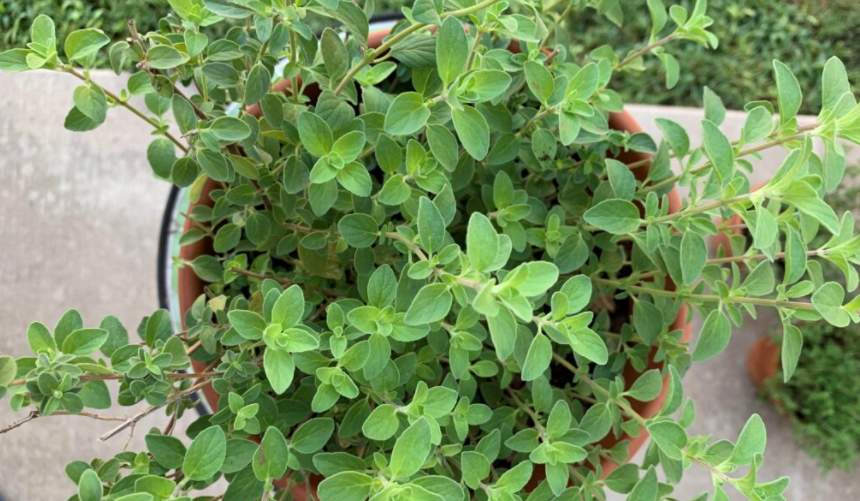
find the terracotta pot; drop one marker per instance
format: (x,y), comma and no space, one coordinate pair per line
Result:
(625,121)
(190,286)
(764,361)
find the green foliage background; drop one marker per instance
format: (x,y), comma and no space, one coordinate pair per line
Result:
(823,396)
(801,33)
(16,16)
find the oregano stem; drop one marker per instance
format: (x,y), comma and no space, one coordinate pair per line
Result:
(554,26)
(529,411)
(709,164)
(760,257)
(372,54)
(690,211)
(113,377)
(538,117)
(645,50)
(261,276)
(478,35)
(149,410)
(36,414)
(744,257)
(708,298)
(129,107)
(624,406)
(137,39)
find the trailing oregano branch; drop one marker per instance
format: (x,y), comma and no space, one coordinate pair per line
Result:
(434,263)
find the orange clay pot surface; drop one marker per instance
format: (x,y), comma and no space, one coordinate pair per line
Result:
(763,361)
(191,286)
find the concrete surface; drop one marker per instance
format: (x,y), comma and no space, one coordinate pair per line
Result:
(79,220)
(79,225)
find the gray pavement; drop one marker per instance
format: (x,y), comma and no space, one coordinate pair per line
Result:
(79,220)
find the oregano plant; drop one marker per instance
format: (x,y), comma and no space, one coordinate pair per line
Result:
(436,271)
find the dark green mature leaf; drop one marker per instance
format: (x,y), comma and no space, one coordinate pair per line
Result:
(675,134)
(539,80)
(229,129)
(444,145)
(538,358)
(615,216)
(694,255)
(406,115)
(647,387)
(472,128)
(416,51)
(621,179)
(431,226)
(411,450)
(792,344)
(354,18)
(161,155)
(8,369)
(587,343)
(14,60)
(828,302)
(40,339)
(245,486)
(90,486)
(205,454)
(623,478)
(482,242)
(430,305)
(834,83)
(82,44)
(359,230)
(168,451)
(669,437)
(258,84)
(76,121)
(270,460)
(719,150)
(648,321)
(164,57)
(788,90)
(715,111)
(92,102)
(335,56)
(345,486)
(751,441)
(715,335)
(84,341)
(646,489)
(280,369)
(452,50)
(312,435)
